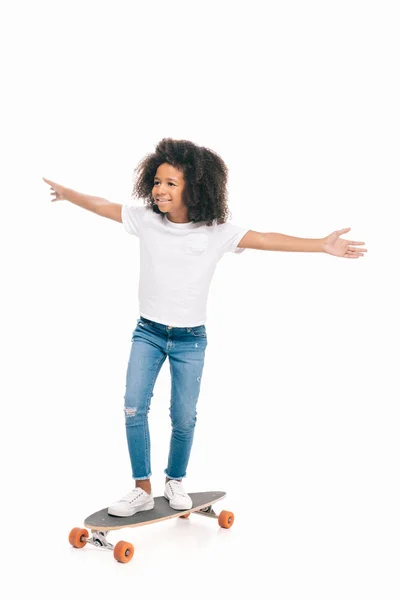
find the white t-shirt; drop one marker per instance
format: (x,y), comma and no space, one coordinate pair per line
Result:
(177,262)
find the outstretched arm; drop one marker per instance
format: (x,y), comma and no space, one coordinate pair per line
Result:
(100,206)
(331,244)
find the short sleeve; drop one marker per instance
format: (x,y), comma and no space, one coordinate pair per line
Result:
(229,236)
(132,217)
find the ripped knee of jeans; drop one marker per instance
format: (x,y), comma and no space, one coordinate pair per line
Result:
(130,412)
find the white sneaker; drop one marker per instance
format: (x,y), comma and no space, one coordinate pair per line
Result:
(132,503)
(178,498)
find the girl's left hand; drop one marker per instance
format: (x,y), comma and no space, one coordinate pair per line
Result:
(334,245)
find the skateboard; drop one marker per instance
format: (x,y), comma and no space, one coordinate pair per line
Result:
(101,523)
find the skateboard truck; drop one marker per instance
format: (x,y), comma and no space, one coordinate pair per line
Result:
(99,539)
(208,511)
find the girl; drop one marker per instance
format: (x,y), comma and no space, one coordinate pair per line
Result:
(184,231)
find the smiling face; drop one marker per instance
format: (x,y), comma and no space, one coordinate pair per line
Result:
(167,193)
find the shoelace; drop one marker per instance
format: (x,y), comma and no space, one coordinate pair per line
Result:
(132,495)
(176,489)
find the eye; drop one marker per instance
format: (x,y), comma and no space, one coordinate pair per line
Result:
(170,183)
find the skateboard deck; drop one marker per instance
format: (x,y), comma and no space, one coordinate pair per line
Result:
(100,522)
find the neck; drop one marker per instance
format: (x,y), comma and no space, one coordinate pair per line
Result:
(177,219)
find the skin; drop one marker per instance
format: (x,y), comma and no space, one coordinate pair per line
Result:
(168,185)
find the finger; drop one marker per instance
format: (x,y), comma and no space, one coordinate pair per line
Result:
(357,249)
(355,243)
(49,182)
(342,231)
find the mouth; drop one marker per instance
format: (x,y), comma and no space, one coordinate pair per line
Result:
(162,201)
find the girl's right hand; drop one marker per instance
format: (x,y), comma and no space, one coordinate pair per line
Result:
(57,190)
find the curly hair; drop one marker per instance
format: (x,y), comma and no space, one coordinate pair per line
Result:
(205,175)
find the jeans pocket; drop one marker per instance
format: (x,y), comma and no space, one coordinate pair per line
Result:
(199,331)
(140,325)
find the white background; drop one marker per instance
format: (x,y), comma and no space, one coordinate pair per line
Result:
(298,412)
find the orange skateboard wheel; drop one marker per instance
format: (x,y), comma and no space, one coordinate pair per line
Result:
(123,552)
(78,537)
(185,516)
(226,519)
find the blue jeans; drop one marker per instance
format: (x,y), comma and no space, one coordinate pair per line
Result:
(151,344)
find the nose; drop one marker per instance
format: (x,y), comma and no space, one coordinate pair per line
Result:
(160,192)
